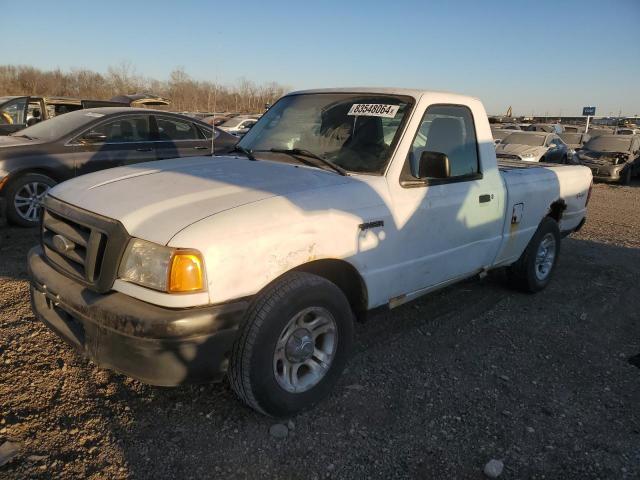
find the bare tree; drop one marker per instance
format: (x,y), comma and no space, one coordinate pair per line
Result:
(185,93)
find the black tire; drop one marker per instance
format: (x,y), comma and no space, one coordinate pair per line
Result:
(17,185)
(522,274)
(625,177)
(251,366)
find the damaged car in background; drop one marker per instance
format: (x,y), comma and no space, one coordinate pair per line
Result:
(534,147)
(613,158)
(18,112)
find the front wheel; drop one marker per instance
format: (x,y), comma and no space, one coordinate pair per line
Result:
(533,270)
(625,176)
(24,196)
(293,346)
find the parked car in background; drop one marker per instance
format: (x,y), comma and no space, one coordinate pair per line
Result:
(544,127)
(239,125)
(38,157)
(216,120)
(574,140)
(574,128)
(627,131)
(499,134)
(600,130)
(613,158)
(18,112)
(534,147)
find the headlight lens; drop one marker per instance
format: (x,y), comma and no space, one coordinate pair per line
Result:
(162,268)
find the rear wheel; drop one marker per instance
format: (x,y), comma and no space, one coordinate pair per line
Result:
(24,196)
(294,345)
(533,270)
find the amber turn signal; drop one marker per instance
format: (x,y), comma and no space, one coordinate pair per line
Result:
(186,273)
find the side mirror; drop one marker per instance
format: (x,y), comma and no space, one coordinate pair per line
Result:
(433,165)
(93,137)
(552,145)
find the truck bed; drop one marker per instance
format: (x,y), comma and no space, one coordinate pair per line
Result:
(536,186)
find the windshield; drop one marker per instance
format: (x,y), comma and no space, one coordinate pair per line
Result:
(571,138)
(525,139)
(355,131)
(608,144)
(57,127)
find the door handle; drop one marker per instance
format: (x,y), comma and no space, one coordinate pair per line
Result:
(148,149)
(201,148)
(485,198)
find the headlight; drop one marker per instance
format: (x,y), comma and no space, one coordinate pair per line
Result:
(162,268)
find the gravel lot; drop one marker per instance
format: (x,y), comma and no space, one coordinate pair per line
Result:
(435,389)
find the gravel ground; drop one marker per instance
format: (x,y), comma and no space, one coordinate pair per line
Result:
(435,389)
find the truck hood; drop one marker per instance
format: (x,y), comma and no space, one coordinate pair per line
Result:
(517,149)
(156,200)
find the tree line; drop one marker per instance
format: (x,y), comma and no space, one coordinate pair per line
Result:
(185,93)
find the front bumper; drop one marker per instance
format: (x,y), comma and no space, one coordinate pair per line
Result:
(605,173)
(157,345)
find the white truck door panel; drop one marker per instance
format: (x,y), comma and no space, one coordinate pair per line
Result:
(446,229)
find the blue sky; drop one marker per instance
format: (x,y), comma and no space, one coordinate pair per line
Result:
(538,56)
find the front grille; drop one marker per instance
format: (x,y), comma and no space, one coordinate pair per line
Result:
(85,247)
(81,244)
(507,156)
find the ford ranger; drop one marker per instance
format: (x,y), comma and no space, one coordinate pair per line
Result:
(256,265)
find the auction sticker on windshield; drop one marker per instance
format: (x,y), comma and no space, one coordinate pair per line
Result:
(94,114)
(373,110)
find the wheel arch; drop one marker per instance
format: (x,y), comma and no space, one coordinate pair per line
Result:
(25,171)
(556,210)
(345,276)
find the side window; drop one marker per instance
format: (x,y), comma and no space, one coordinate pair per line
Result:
(207,133)
(171,130)
(448,129)
(122,130)
(13,112)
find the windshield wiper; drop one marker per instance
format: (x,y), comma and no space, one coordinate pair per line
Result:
(306,153)
(248,153)
(23,136)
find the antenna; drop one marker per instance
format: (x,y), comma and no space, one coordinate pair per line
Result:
(213,122)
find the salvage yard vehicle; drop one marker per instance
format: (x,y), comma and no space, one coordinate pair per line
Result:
(575,140)
(499,133)
(36,158)
(256,265)
(534,147)
(18,112)
(239,125)
(612,158)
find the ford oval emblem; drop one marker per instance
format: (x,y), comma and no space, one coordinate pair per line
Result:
(62,244)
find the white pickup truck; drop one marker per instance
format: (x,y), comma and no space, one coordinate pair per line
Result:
(257,264)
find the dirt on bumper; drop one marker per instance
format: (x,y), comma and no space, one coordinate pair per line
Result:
(156,345)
